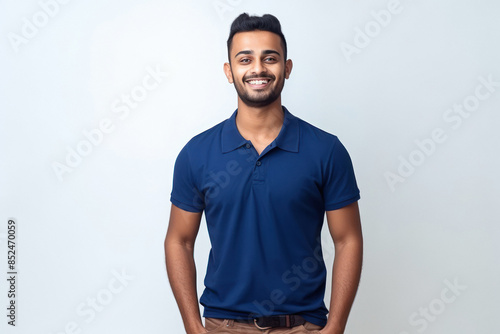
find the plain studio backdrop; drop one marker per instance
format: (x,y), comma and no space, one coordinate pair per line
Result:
(98,98)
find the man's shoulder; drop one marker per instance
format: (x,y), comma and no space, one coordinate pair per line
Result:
(310,132)
(207,136)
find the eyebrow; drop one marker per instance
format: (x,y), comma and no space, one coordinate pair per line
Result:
(250,52)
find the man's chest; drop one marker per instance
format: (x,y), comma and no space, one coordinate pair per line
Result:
(281,177)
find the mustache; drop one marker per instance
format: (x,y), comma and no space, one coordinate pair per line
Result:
(259,76)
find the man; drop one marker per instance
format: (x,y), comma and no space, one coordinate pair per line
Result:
(264,179)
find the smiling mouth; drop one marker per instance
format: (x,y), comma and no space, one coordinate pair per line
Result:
(258,83)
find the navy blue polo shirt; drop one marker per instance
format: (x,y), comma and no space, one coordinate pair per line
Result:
(264,215)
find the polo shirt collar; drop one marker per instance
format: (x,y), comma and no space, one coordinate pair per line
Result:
(288,138)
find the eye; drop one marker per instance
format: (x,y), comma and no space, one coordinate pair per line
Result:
(244,60)
(270,59)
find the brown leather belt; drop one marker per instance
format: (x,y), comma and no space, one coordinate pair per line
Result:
(287,321)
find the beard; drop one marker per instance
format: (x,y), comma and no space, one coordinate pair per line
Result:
(259,98)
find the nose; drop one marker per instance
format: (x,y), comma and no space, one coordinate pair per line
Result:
(258,67)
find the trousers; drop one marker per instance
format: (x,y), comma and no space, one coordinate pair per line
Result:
(229,326)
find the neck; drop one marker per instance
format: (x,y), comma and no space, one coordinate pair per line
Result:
(259,121)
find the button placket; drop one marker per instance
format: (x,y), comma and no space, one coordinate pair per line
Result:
(258,172)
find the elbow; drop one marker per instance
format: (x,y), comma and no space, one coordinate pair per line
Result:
(352,242)
(173,243)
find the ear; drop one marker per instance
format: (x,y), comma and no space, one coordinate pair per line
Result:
(228,72)
(288,68)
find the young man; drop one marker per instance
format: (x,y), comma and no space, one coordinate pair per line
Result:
(264,179)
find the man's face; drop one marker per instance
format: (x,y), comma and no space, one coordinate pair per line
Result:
(258,68)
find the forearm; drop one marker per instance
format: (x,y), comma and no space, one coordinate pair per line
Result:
(182,276)
(345,281)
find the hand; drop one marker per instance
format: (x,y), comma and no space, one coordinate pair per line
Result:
(199,330)
(329,329)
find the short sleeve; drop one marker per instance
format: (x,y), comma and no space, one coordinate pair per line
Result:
(340,187)
(185,192)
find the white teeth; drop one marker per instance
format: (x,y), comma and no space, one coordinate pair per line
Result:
(257,82)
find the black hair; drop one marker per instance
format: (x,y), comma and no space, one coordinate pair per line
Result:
(245,22)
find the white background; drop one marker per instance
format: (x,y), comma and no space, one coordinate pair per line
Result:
(109,215)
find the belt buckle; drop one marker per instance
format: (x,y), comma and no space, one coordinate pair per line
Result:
(257,325)
(283,321)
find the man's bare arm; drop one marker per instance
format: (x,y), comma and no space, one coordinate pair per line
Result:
(179,249)
(345,229)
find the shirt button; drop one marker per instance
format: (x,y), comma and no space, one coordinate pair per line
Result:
(258,163)
(248,145)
